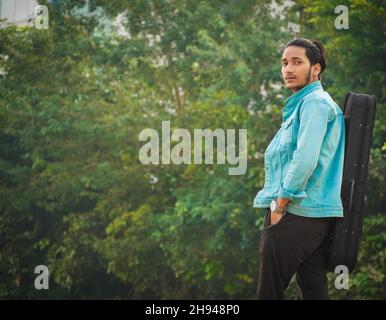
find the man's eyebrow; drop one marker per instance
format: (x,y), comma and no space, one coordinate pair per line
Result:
(292,58)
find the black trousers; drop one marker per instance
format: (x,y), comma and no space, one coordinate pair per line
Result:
(293,245)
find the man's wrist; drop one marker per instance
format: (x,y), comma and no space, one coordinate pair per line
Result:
(282,202)
(275,207)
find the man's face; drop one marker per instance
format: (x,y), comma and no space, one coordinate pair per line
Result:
(296,69)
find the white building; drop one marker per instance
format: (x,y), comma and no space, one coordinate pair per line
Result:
(18,12)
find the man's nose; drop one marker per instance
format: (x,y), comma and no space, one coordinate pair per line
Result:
(288,70)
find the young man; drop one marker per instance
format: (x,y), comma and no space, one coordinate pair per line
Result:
(303,176)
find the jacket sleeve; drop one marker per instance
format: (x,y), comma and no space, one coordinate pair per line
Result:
(314,117)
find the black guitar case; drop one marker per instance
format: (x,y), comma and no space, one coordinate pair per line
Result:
(345,236)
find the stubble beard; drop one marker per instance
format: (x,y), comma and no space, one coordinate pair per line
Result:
(308,80)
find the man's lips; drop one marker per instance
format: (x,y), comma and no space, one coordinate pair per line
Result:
(290,78)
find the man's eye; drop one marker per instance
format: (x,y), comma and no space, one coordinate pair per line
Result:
(284,64)
(298,62)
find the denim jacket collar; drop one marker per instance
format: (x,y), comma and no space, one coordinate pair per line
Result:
(293,100)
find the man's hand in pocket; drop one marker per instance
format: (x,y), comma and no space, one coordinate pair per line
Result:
(275,217)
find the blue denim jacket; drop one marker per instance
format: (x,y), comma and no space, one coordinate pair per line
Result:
(304,161)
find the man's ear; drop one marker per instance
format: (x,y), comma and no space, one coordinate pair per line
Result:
(316,68)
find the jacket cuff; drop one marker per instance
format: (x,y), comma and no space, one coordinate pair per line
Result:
(284,193)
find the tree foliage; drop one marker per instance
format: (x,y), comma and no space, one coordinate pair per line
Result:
(73,100)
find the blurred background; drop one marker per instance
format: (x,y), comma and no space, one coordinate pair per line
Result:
(74,97)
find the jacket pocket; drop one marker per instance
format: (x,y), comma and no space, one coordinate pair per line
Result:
(286,134)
